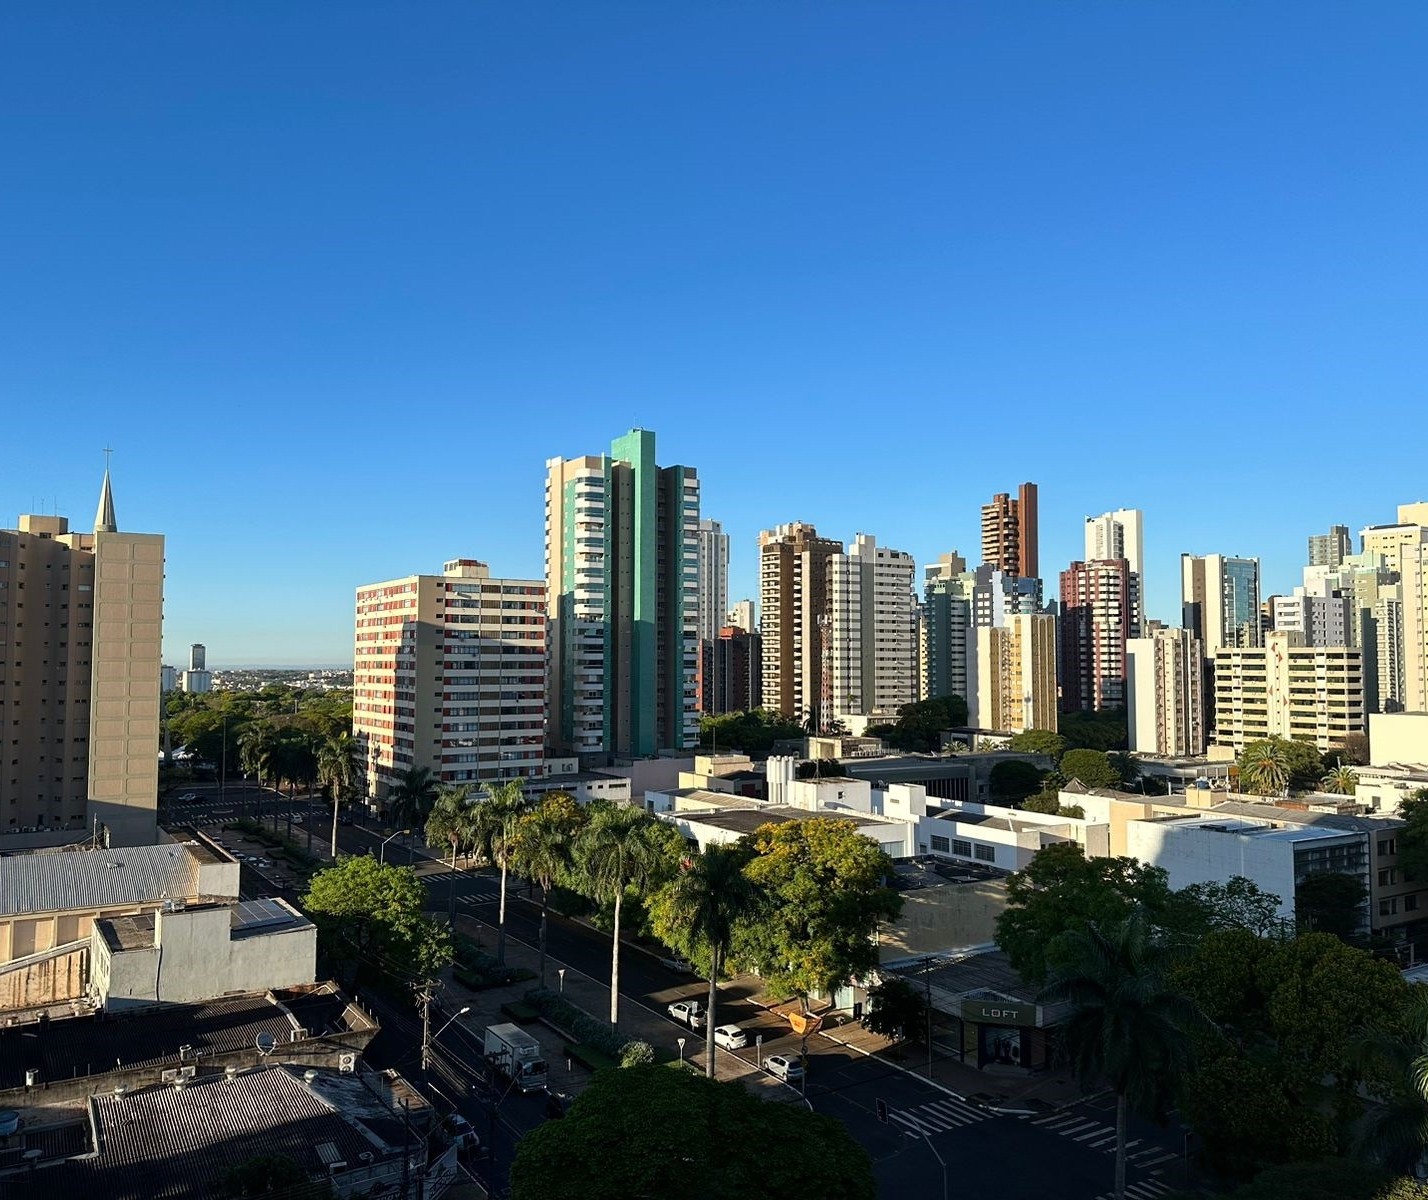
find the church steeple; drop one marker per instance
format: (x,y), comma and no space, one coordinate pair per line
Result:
(104,517)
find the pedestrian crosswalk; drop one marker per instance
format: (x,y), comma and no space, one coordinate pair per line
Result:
(1097,1135)
(1146,1189)
(938,1116)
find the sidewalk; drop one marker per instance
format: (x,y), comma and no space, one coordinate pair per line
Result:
(593,995)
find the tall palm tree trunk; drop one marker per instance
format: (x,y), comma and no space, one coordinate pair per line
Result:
(615,964)
(501,918)
(451,891)
(544,910)
(709,1020)
(1120,1145)
(335,803)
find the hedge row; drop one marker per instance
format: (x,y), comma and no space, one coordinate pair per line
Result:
(590,1032)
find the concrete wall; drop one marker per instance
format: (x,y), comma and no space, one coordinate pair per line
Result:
(1398,738)
(1196,855)
(46,978)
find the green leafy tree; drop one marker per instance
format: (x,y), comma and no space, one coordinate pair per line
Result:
(1105,730)
(1129,1025)
(369,916)
(1039,741)
(1352,751)
(618,1141)
(1330,1179)
(920,725)
(896,1009)
(1049,801)
(1093,768)
(1394,1134)
(544,850)
(1412,835)
(1237,903)
(696,912)
(1014,780)
(826,886)
(753,733)
(1342,781)
(617,851)
(1331,902)
(451,825)
(1061,889)
(1270,766)
(496,820)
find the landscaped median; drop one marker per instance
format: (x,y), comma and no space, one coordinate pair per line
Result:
(478,970)
(588,1040)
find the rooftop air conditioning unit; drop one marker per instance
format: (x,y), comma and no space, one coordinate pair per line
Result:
(347,1063)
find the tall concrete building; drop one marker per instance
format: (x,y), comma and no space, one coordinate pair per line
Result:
(1413,619)
(1287,689)
(1009,532)
(946,627)
(794,614)
(731,672)
(1014,669)
(622,576)
(872,630)
(713,579)
(997,596)
(81,616)
(1220,601)
(449,674)
(1100,606)
(1390,675)
(1391,541)
(1165,697)
(1324,620)
(741,616)
(1330,549)
(1117,534)
(197,677)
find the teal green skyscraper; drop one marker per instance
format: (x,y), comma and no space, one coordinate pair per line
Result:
(621,565)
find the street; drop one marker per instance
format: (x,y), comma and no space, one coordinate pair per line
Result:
(1066,1154)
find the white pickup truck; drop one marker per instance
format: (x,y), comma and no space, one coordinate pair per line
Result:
(688,1012)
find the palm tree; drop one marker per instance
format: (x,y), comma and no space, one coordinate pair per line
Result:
(337,771)
(496,819)
(544,850)
(412,797)
(253,753)
(1127,1025)
(616,852)
(452,823)
(1342,781)
(698,909)
(1264,768)
(1395,1134)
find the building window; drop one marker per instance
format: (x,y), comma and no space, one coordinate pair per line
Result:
(960,848)
(986,853)
(1387,846)
(1410,903)
(1388,908)
(939,844)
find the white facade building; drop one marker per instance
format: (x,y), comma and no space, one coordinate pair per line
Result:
(713,579)
(1289,690)
(1165,693)
(873,643)
(1118,534)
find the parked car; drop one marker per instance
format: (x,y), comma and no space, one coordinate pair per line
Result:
(188,797)
(730,1037)
(676,964)
(688,1012)
(785,1067)
(459,1130)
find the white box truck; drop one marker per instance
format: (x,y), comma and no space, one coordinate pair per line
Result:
(516,1055)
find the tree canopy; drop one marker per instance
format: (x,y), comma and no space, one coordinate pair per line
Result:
(920,724)
(825,885)
(1331,902)
(1105,730)
(1039,741)
(753,733)
(1014,779)
(1413,835)
(1092,767)
(1268,766)
(651,1131)
(369,917)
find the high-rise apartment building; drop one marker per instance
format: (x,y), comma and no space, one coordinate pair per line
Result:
(1119,534)
(1220,601)
(731,672)
(1390,542)
(1330,549)
(1324,620)
(622,576)
(1413,619)
(197,678)
(1100,605)
(741,616)
(713,579)
(794,614)
(1009,532)
(1287,689)
(997,596)
(872,629)
(1165,700)
(81,621)
(1014,669)
(1390,674)
(946,627)
(449,674)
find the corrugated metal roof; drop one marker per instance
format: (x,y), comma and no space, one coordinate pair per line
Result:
(59,880)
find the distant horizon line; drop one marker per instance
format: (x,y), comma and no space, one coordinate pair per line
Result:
(273,666)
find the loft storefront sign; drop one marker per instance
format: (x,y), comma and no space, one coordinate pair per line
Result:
(997,1012)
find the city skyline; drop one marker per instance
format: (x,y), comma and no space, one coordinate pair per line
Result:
(335,310)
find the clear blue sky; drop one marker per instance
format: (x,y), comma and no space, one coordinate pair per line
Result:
(335,280)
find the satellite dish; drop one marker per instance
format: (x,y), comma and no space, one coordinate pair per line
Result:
(266,1043)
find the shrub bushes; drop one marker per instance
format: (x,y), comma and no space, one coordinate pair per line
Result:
(580,1025)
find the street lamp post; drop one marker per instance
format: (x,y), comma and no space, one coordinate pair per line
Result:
(427,1039)
(680,1041)
(759,1050)
(561,973)
(382,857)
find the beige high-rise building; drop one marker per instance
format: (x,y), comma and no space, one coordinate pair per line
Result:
(1165,693)
(81,616)
(1391,541)
(1013,670)
(1288,690)
(873,630)
(449,674)
(793,617)
(1413,617)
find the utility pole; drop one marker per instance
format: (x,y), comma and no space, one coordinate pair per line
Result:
(424,999)
(927,1003)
